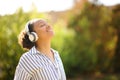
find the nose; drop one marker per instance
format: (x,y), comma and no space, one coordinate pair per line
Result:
(49,26)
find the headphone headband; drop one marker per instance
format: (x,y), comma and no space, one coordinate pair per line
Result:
(27,28)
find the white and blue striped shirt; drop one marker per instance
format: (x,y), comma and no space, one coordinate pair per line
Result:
(34,65)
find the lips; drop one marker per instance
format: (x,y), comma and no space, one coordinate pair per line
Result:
(50,30)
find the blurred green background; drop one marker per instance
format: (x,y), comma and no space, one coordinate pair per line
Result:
(86,36)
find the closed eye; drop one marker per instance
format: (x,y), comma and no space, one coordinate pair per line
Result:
(42,25)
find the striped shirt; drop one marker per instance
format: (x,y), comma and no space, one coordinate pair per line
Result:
(34,65)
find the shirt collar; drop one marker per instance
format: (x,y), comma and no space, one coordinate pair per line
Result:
(33,50)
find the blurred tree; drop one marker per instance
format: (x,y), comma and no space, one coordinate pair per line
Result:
(116,25)
(93,43)
(87,46)
(10,51)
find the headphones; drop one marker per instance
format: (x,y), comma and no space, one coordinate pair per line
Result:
(33,37)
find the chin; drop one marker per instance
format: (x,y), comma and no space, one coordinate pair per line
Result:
(52,34)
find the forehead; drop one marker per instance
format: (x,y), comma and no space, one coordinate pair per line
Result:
(40,21)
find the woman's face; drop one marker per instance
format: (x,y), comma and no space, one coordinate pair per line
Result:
(43,29)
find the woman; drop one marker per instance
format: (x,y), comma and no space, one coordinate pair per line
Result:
(41,62)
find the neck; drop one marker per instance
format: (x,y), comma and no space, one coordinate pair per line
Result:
(44,46)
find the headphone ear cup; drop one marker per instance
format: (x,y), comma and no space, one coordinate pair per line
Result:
(33,37)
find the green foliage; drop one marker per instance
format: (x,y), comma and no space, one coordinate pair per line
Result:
(86,45)
(111,77)
(10,51)
(92,47)
(116,25)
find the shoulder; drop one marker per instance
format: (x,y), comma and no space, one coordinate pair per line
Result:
(28,56)
(24,57)
(26,62)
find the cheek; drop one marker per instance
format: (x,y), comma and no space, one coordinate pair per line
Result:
(41,33)
(40,30)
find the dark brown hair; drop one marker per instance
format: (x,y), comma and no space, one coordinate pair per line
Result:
(23,38)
